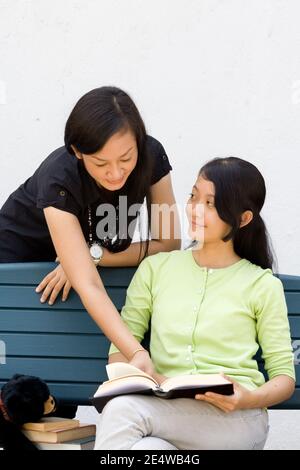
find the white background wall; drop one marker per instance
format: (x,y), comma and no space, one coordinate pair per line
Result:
(211,78)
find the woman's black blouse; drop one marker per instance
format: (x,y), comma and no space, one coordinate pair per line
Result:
(61,181)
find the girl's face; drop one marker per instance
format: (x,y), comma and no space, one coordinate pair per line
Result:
(111,166)
(205,224)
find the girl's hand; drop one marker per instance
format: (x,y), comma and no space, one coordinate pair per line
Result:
(241,399)
(159,378)
(142,361)
(52,284)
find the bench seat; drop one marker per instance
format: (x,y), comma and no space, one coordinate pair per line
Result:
(61,343)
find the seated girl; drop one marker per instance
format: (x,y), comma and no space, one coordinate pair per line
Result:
(209,308)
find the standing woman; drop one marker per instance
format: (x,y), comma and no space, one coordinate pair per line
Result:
(54,214)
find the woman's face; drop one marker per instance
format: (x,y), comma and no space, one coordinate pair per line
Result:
(111,166)
(205,224)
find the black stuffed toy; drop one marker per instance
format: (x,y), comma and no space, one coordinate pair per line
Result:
(23,399)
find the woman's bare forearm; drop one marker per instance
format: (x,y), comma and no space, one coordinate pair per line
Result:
(116,357)
(106,316)
(274,391)
(72,250)
(135,253)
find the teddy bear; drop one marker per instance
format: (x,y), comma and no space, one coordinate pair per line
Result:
(23,399)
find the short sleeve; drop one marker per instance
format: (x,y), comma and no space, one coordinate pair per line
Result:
(273,330)
(57,194)
(59,185)
(138,307)
(161,164)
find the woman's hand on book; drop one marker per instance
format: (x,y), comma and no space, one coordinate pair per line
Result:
(159,378)
(52,284)
(241,399)
(142,361)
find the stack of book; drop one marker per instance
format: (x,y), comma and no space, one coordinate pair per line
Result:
(61,434)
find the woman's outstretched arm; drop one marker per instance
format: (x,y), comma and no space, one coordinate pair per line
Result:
(75,258)
(165,234)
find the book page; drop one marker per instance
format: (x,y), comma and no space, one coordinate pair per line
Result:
(52,422)
(123,369)
(123,385)
(62,435)
(195,380)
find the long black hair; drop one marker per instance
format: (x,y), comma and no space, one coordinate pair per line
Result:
(239,186)
(97,116)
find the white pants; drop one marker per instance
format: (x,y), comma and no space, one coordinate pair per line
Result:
(143,422)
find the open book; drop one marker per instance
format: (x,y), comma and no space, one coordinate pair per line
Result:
(125,379)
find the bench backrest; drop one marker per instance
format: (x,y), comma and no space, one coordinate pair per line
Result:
(62,344)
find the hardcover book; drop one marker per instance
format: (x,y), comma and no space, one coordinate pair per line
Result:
(125,379)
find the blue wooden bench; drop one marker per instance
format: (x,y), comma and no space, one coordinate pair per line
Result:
(62,345)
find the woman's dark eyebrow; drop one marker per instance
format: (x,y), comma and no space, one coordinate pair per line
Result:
(212,195)
(103,160)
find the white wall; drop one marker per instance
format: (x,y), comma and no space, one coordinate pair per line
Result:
(211,78)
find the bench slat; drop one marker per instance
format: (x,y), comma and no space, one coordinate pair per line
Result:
(47,320)
(294,321)
(33,273)
(290,282)
(26,297)
(53,345)
(293,302)
(64,321)
(76,370)
(67,369)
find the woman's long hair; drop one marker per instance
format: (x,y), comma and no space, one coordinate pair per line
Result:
(239,186)
(97,116)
